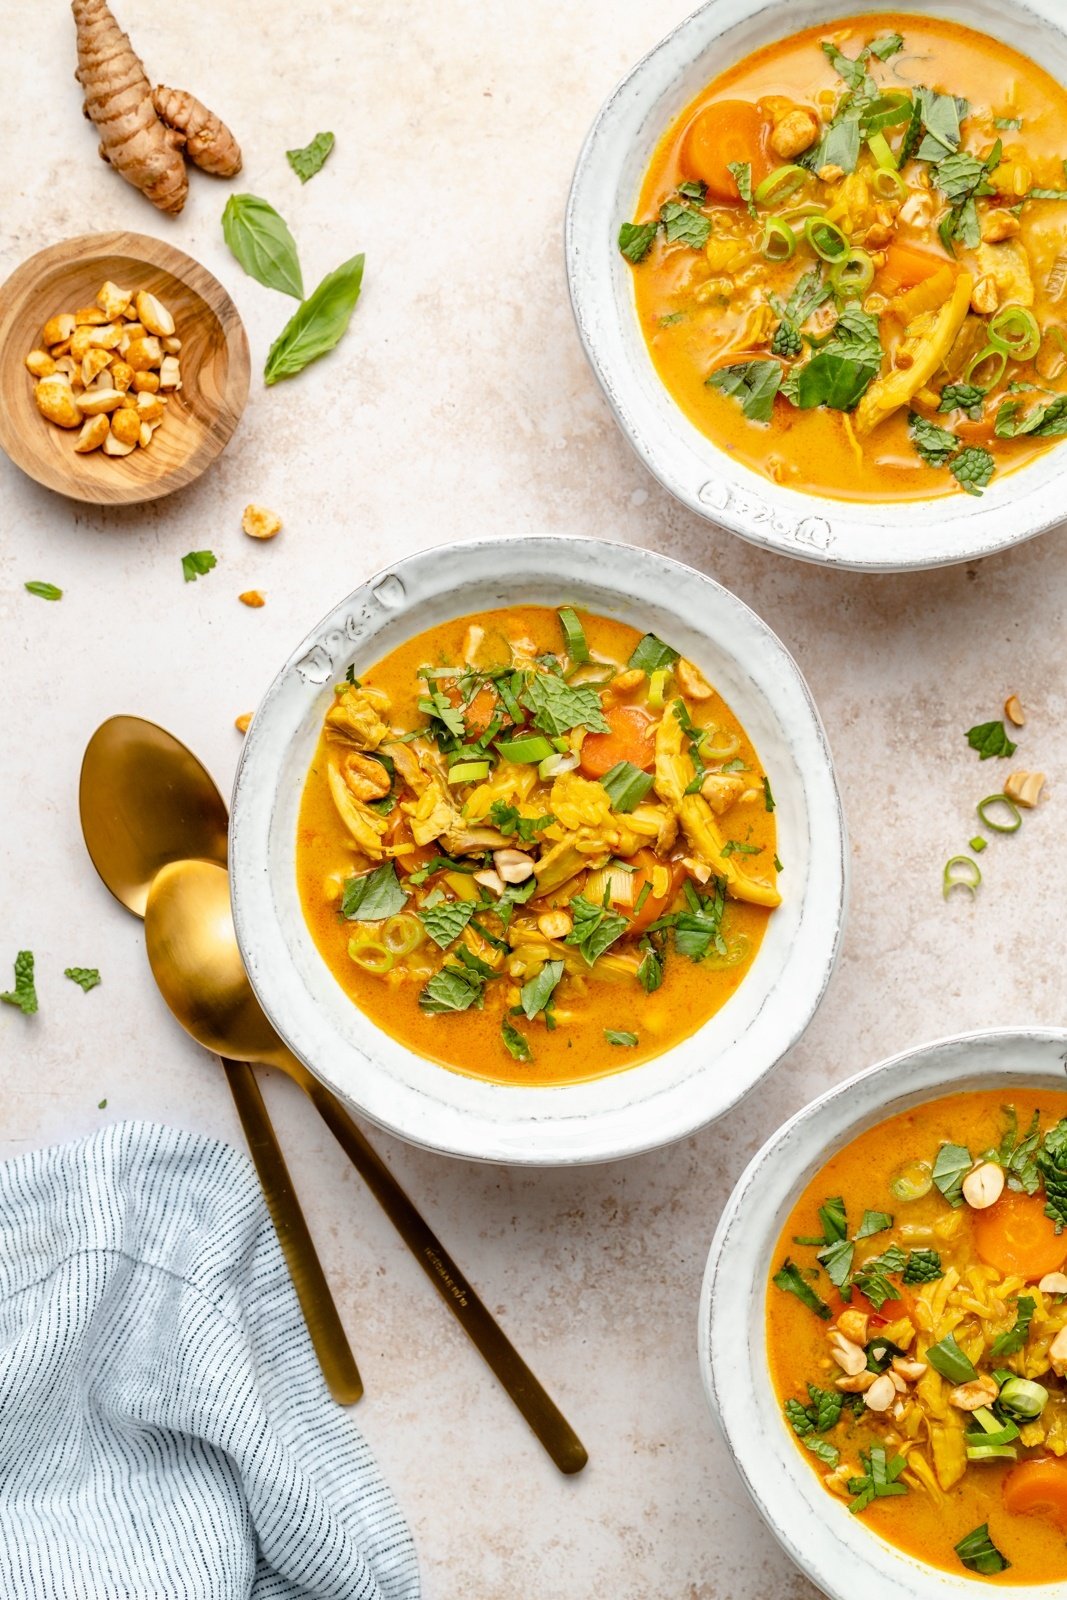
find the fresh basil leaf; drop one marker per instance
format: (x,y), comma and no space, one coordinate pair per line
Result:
(741,173)
(595,928)
(941,117)
(734,847)
(684,225)
(373,896)
(923,1266)
(1009,124)
(839,145)
(948,1359)
(872,1279)
(24,994)
(768,798)
(840,372)
(317,326)
(886,45)
(933,443)
(652,655)
(557,708)
(43,591)
(626,785)
(837,1260)
(616,1036)
(826,1452)
(873,1222)
(791,1280)
(446,921)
(650,971)
(536,994)
(635,240)
(1008,1343)
(694,190)
(85,977)
(515,1043)
(753,384)
(950,1168)
(879,1479)
(961,175)
(978,1553)
(197,563)
(1044,422)
(989,739)
(262,244)
(440,864)
(1017,1155)
(311,159)
(852,71)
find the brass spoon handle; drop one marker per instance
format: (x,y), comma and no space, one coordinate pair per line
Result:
(540,1411)
(320,1313)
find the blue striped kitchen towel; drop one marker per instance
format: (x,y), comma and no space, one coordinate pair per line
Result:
(165,1432)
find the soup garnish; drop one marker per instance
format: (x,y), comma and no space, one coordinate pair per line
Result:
(851,258)
(536,846)
(917,1328)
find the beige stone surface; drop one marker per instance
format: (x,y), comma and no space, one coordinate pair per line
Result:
(460,403)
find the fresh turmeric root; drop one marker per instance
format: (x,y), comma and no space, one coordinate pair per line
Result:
(143,135)
(208,141)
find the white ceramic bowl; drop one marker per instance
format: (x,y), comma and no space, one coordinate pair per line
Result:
(881,537)
(633,1110)
(823,1537)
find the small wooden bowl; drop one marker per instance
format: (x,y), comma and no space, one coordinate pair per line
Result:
(214,365)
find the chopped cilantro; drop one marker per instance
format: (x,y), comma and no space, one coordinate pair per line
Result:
(196,563)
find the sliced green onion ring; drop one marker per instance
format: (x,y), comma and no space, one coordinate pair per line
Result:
(552,766)
(989,352)
(952,879)
(780,184)
(402,933)
(977,844)
(716,745)
(657,688)
(737,950)
(825,238)
(853,276)
(371,956)
(778,241)
(888,185)
(912,1181)
(1014,330)
(878,145)
(468,771)
(1001,801)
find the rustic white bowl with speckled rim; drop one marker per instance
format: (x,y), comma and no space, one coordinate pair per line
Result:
(643,1106)
(877,536)
(816,1528)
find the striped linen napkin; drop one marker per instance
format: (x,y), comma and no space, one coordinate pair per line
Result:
(165,1432)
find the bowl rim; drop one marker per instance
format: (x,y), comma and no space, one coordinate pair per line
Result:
(171,260)
(851,535)
(785,1490)
(550,1124)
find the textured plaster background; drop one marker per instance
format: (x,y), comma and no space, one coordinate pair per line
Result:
(460,403)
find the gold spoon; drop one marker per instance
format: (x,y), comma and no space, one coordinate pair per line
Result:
(194,956)
(145,800)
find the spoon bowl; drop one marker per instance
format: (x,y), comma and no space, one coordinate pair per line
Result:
(145,800)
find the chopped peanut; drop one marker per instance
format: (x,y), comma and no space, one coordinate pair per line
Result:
(40,364)
(984,297)
(57,330)
(1014,712)
(242,722)
(625,681)
(692,681)
(55,400)
(981,1391)
(1024,788)
(94,432)
(256,598)
(555,924)
(983,1186)
(154,315)
(113,301)
(259,523)
(998,225)
(126,425)
(796,131)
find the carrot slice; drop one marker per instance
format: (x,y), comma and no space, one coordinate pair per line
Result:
(1038,1487)
(729,130)
(655,905)
(481,711)
(1015,1236)
(906,266)
(629,740)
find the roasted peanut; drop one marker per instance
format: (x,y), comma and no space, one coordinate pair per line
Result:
(692,681)
(115,447)
(983,1186)
(146,382)
(145,353)
(94,401)
(93,363)
(57,330)
(1014,712)
(55,400)
(555,924)
(40,364)
(998,225)
(974,1395)
(881,1394)
(126,425)
(94,432)
(121,374)
(256,598)
(243,722)
(259,523)
(154,314)
(984,297)
(170,373)
(1024,788)
(514,866)
(112,300)
(796,131)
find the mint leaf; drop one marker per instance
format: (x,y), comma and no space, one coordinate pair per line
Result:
(1044,422)
(873,1222)
(973,468)
(24,994)
(43,591)
(595,928)
(635,240)
(196,564)
(373,896)
(557,708)
(85,977)
(990,739)
(515,1043)
(923,1266)
(753,384)
(935,445)
(452,989)
(311,158)
(650,972)
(1052,1161)
(962,397)
(873,1278)
(536,994)
(684,225)
(652,655)
(843,366)
(791,1280)
(950,1168)
(445,921)
(741,172)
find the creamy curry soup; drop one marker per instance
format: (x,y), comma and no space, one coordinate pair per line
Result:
(850,259)
(917,1330)
(536,846)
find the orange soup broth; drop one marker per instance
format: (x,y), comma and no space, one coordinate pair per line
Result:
(796,1338)
(811,450)
(471,1042)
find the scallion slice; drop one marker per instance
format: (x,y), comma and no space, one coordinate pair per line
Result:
(552,766)
(715,744)
(993,353)
(1001,801)
(825,238)
(888,185)
(574,636)
(402,934)
(1014,330)
(853,275)
(1023,1398)
(878,145)
(960,873)
(371,956)
(780,184)
(778,242)
(626,785)
(468,771)
(532,747)
(657,688)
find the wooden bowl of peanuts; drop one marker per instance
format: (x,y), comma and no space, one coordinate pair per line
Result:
(124,368)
